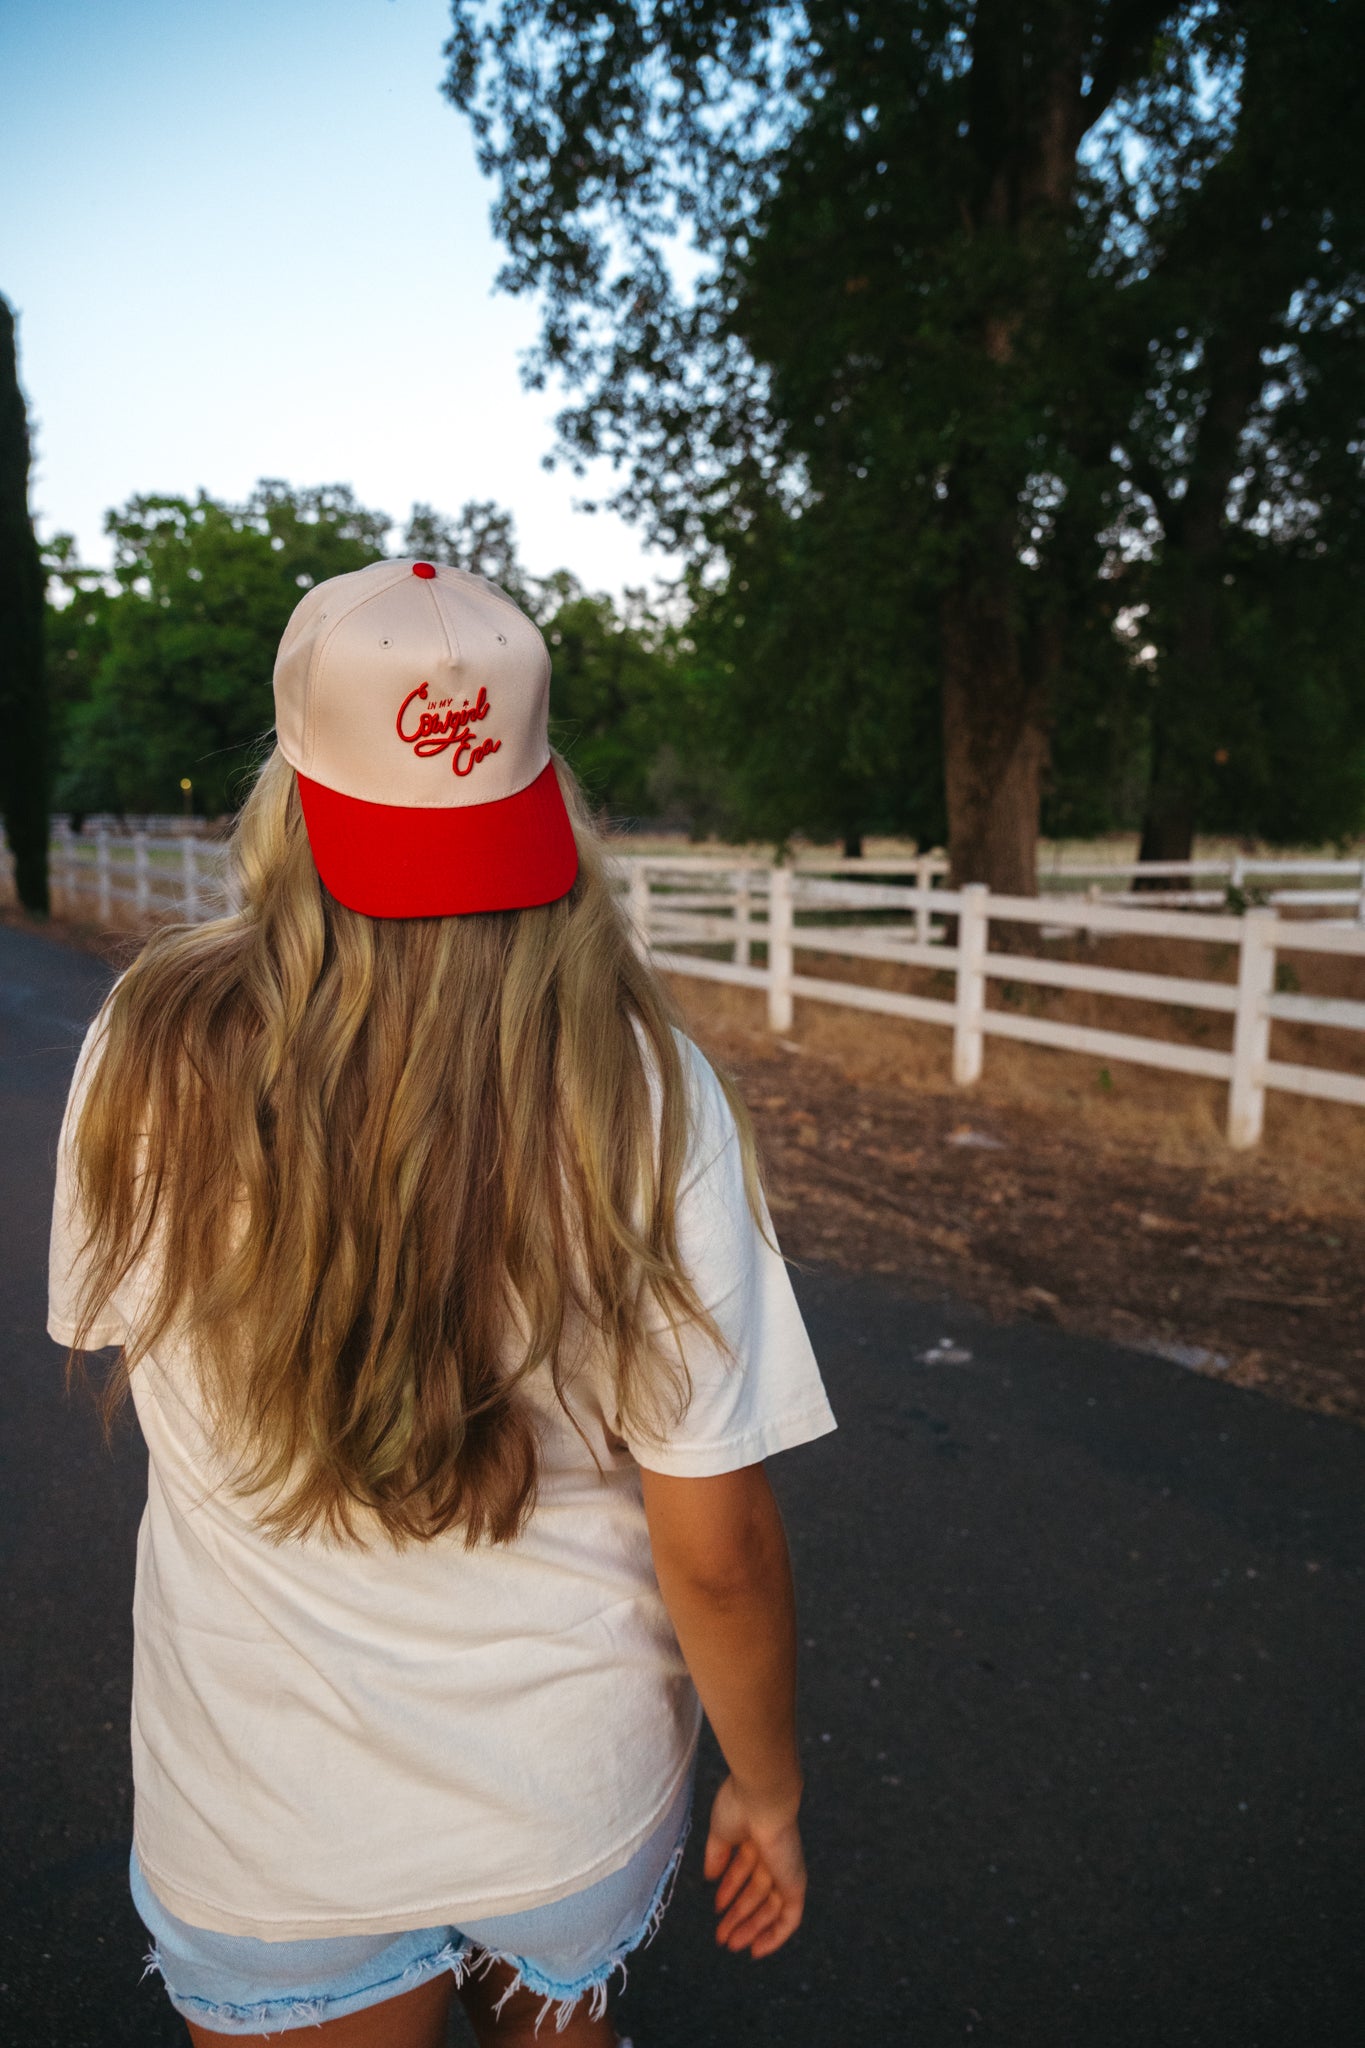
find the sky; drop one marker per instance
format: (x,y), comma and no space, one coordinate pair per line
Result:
(251,240)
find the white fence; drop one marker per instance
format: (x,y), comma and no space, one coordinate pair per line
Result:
(1334,888)
(681,904)
(1289,884)
(1292,883)
(134,877)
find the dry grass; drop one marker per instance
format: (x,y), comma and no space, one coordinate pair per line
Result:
(1314,1151)
(1118,1212)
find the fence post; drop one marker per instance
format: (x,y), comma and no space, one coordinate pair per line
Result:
(106,899)
(1251,1029)
(142,877)
(1090,937)
(973,925)
(189,885)
(638,903)
(781,924)
(743,909)
(924,882)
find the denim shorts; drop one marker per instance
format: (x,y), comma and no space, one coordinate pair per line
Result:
(571,1949)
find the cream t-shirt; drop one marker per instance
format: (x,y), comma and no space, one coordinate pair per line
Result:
(335,1740)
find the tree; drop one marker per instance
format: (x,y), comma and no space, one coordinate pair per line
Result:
(609,669)
(1246,281)
(164,669)
(897,303)
(481,538)
(610,693)
(913,265)
(806,684)
(23,683)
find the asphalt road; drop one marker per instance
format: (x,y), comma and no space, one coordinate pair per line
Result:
(1083,1682)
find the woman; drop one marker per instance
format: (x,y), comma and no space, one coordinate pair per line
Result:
(447,1299)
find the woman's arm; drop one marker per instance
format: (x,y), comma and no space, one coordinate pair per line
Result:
(720,1553)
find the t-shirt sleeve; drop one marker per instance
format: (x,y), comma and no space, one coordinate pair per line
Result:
(68,1223)
(768,1396)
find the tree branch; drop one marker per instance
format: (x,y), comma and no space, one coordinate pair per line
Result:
(1133,23)
(1151,483)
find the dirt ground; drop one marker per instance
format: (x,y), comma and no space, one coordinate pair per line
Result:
(1103,1202)
(1113,1210)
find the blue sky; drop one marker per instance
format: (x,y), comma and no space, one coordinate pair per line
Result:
(251,240)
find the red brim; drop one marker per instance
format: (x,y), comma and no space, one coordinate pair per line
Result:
(392,860)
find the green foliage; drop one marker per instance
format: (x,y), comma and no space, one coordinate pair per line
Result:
(807,688)
(610,695)
(610,703)
(1285,732)
(482,539)
(1242,510)
(163,670)
(1027,313)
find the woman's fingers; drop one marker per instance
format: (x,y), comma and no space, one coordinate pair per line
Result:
(763,1916)
(742,1866)
(782,1929)
(760,1890)
(743,1905)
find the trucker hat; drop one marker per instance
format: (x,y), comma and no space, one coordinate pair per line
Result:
(412,701)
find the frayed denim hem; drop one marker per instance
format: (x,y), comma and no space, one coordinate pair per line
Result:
(280,2015)
(563,2000)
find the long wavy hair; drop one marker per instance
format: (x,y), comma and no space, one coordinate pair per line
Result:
(356,1152)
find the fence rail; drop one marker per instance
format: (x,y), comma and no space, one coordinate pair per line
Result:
(736,910)
(1292,882)
(790,911)
(138,876)
(1245,880)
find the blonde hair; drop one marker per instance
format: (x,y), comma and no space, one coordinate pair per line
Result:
(362,1149)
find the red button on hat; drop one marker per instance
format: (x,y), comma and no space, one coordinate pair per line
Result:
(422,569)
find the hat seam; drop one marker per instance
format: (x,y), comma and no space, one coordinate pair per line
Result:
(320,647)
(453,652)
(508,604)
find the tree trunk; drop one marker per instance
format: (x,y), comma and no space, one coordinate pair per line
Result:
(1169,820)
(1181,745)
(23,683)
(1026,117)
(1185,713)
(853,846)
(994,744)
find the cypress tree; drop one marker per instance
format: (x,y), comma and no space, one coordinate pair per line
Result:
(23,688)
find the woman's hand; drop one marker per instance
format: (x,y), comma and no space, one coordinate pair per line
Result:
(720,1553)
(755,1853)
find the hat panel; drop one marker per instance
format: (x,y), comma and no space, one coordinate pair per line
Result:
(293,666)
(431,693)
(311,622)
